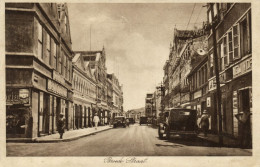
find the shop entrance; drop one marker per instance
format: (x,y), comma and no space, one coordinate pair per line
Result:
(16,122)
(244,106)
(46,114)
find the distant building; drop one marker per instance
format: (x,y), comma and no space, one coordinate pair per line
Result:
(38,68)
(149,105)
(117,95)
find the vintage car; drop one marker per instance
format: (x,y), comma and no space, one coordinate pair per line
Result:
(143,120)
(178,121)
(131,120)
(119,121)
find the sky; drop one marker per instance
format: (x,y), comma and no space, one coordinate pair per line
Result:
(136,37)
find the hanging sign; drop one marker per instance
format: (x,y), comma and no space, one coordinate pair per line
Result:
(17,96)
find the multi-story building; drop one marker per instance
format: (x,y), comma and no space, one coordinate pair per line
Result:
(165,97)
(232,23)
(117,96)
(149,105)
(198,79)
(109,96)
(38,68)
(84,89)
(97,64)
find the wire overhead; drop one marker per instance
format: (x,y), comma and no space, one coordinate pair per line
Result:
(190,16)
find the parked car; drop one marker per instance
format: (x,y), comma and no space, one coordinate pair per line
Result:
(180,121)
(119,121)
(143,120)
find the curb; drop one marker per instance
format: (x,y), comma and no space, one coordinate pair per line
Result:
(36,140)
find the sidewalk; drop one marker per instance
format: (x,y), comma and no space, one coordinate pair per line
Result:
(227,141)
(67,136)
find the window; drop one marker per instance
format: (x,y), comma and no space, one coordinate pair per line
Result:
(211,65)
(60,63)
(65,24)
(223,55)
(40,55)
(225,52)
(48,48)
(230,46)
(236,41)
(245,32)
(69,71)
(65,66)
(210,18)
(54,49)
(215,10)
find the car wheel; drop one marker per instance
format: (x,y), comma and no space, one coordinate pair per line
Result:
(114,126)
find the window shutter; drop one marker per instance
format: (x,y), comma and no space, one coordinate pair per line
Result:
(248,22)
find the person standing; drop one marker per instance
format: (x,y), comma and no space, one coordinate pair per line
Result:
(204,122)
(61,125)
(245,136)
(96,120)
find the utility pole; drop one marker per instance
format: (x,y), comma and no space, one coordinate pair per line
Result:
(217,76)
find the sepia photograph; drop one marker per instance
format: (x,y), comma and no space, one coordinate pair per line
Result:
(128,81)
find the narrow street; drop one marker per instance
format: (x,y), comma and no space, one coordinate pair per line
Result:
(133,141)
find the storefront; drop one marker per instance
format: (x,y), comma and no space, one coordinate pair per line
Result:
(18,112)
(242,94)
(33,112)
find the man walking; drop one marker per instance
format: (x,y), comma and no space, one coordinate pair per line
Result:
(96,120)
(61,125)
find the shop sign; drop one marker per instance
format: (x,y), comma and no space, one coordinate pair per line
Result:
(242,68)
(17,96)
(212,84)
(57,77)
(187,34)
(197,94)
(56,88)
(208,102)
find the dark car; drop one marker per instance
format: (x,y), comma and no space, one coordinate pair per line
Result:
(119,121)
(143,120)
(178,121)
(131,120)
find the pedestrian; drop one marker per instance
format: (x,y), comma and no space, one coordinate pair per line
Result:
(96,120)
(127,122)
(61,125)
(245,135)
(204,122)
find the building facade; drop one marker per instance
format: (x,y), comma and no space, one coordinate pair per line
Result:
(97,64)
(117,96)
(234,47)
(85,91)
(38,68)
(149,105)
